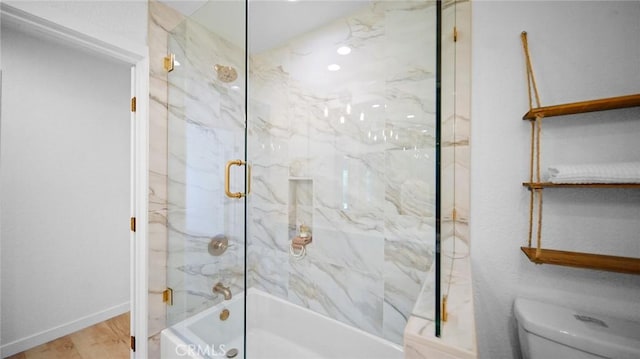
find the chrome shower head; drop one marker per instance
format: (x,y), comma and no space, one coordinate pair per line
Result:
(225,73)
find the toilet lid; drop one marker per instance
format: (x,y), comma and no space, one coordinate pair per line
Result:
(594,333)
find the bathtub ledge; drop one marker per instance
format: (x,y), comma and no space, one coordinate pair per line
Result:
(421,343)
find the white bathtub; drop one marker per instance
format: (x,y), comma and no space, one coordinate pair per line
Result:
(275,329)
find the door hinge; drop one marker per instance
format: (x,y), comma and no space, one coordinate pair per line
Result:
(167,296)
(169,62)
(455,34)
(133,104)
(132,224)
(133,343)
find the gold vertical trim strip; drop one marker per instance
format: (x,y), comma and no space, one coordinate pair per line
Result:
(167,296)
(445,314)
(132,224)
(133,104)
(248,178)
(169,62)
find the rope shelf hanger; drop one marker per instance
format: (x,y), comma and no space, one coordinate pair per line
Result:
(535,115)
(536,130)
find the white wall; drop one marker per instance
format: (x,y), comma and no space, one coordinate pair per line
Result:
(111,21)
(65,190)
(580,51)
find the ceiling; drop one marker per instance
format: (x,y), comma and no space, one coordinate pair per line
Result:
(271,22)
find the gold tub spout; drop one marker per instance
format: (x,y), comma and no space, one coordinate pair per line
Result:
(219,288)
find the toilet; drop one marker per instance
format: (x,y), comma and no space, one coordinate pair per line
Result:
(549,331)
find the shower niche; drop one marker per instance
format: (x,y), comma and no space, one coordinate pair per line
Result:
(300,214)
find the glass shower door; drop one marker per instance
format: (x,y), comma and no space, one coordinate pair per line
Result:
(206,173)
(342,137)
(341,133)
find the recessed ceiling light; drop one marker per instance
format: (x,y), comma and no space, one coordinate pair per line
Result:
(333,67)
(375,105)
(344,50)
(411,116)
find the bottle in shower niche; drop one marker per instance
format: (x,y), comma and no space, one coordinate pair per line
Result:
(299,243)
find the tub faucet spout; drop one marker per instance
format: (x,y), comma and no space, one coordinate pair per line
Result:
(219,288)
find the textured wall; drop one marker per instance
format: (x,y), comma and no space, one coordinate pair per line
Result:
(111,21)
(65,190)
(580,51)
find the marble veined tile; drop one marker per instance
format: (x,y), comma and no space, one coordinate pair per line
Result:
(352,251)
(393,322)
(161,18)
(269,136)
(406,266)
(197,158)
(349,223)
(209,219)
(206,129)
(399,227)
(455,131)
(193,271)
(269,183)
(350,190)
(406,270)
(404,19)
(366,28)
(268,228)
(350,296)
(196,294)
(268,270)
(268,76)
(426,301)
(411,181)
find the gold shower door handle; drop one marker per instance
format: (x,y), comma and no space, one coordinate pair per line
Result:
(227,175)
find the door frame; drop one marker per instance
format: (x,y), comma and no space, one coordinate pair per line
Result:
(137,57)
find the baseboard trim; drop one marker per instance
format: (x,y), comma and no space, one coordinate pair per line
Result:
(48,335)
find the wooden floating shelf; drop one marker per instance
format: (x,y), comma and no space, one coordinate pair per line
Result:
(584,106)
(539,185)
(584,260)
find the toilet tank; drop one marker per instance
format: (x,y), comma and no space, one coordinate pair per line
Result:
(551,331)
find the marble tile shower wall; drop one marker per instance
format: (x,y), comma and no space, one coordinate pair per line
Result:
(206,127)
(355,150)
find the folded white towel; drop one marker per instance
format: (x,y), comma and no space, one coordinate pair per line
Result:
(621,172)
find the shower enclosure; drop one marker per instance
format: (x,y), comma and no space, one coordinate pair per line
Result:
(303,164)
